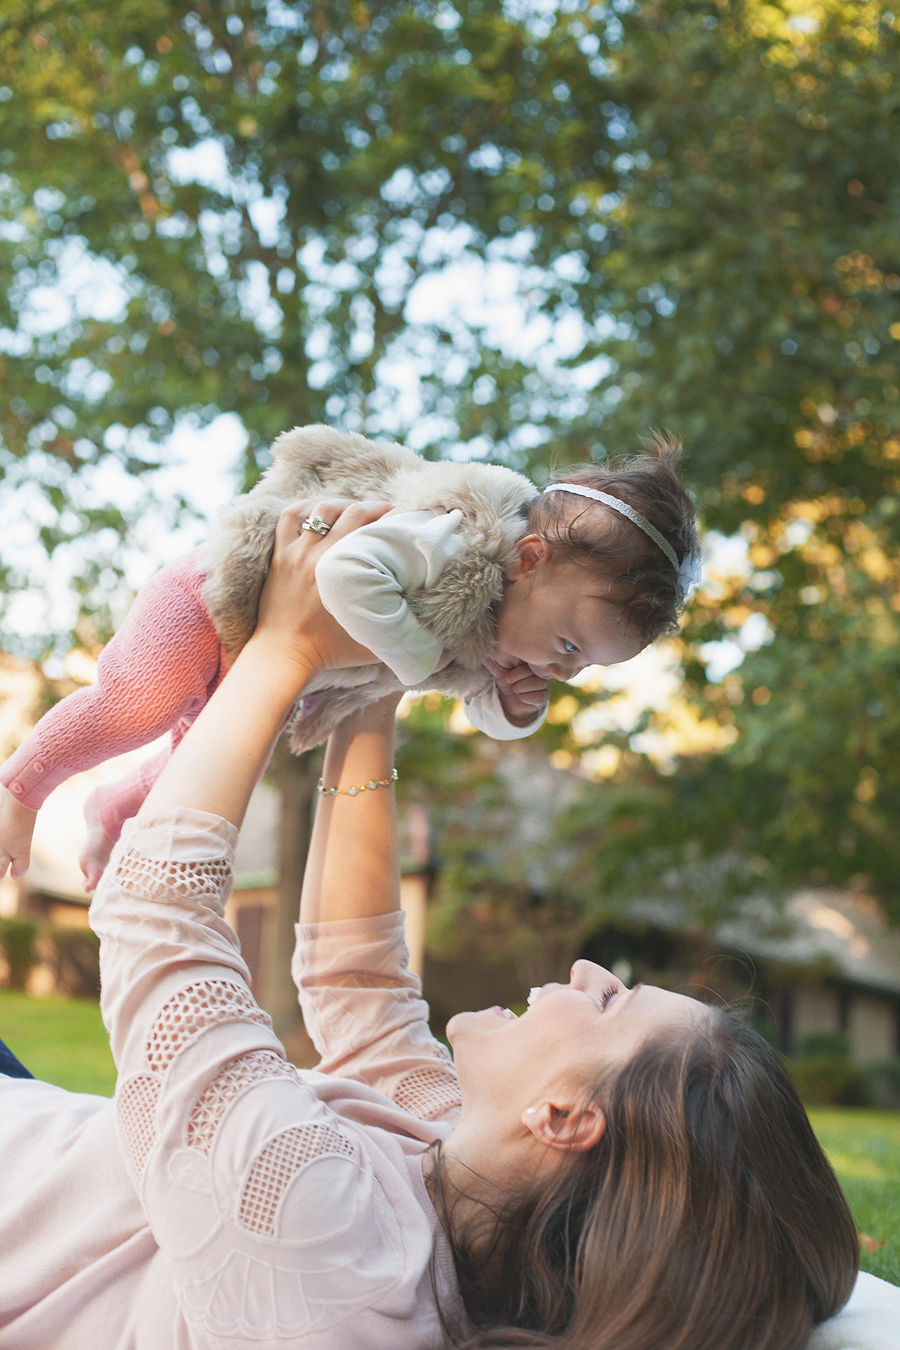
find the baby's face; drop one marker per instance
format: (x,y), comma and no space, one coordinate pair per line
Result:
(555,617)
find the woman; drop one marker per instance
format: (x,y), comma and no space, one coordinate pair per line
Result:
(614,1169)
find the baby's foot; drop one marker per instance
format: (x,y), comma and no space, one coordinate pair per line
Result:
(97,847)
(16,829)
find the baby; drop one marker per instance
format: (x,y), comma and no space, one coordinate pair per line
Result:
(473,584)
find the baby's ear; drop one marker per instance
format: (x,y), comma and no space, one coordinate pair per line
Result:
(531,552)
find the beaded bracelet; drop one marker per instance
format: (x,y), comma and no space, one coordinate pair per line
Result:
(355,791)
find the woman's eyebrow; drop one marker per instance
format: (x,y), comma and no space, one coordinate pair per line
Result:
(630,995)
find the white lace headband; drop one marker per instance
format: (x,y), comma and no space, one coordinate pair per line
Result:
(687,572)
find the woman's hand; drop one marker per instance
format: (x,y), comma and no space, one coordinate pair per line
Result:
(216,765)
(292,619)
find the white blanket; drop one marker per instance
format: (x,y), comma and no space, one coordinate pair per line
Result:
(869,1321)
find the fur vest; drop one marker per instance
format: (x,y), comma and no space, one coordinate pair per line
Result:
(317,462)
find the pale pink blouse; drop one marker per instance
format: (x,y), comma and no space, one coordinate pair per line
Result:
(225,1200)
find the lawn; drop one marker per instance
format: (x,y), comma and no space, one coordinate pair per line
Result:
(63,1041)
(59,1039)
(864,1148)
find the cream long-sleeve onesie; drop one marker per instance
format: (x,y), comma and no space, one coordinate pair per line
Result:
(166,660)
(225,1200)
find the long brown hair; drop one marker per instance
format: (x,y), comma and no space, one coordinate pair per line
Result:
(644,581)
(706,1218)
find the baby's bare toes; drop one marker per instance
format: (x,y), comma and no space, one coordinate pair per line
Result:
(18,866)
(97,848)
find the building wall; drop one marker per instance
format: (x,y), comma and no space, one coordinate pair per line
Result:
(814,1010)
(251,913)
(872,1029)
(870,1021)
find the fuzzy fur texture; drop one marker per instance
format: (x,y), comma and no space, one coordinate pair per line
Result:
(318,462)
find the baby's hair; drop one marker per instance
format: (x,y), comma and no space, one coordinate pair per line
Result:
(644,582)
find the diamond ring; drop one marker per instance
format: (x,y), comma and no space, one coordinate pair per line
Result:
(316,525)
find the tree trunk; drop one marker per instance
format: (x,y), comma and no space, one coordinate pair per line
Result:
(296,777)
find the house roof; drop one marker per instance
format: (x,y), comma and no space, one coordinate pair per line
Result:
(843,930)
(840,933)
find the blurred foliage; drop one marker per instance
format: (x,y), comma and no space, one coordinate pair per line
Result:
(73,956)
(347,150)
(826,1077)
(884,1080)
(754,276)
(699,203)
(17,938)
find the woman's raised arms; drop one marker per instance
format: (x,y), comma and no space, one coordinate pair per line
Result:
(216,766)
(353,871)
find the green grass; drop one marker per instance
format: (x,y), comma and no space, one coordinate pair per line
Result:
(63,1041)
(864,1149)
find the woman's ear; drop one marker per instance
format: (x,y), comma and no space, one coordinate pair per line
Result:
(531,553)
(573,1128)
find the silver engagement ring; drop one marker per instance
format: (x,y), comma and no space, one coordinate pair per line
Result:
(315,524)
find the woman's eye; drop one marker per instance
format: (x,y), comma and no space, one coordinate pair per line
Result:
(569,646)
(608,994)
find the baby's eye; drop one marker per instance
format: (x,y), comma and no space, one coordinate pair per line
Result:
(569,646)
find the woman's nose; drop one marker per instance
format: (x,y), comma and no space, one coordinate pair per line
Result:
(584,974)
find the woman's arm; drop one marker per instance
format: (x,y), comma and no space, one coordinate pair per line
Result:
(251,1185)
(361,1005)
(216,765)
(353,869)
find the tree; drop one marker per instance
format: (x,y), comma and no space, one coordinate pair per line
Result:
(249,195)
(258,187)
(697,202)
(755,269)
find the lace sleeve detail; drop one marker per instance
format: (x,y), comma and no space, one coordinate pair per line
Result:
(180,1022)
(428,1092)
(271,1238)
(277,1166)
(234,1079)
(270,1209)
(308,1241)
(152,879)
(136,1104)
(192,1011)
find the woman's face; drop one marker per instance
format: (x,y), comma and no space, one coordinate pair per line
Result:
(572,1033)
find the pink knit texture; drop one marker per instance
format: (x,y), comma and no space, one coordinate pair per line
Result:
(117,802)
(154,676)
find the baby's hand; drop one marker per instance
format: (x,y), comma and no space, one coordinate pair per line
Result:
(16,829)
(522,693)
